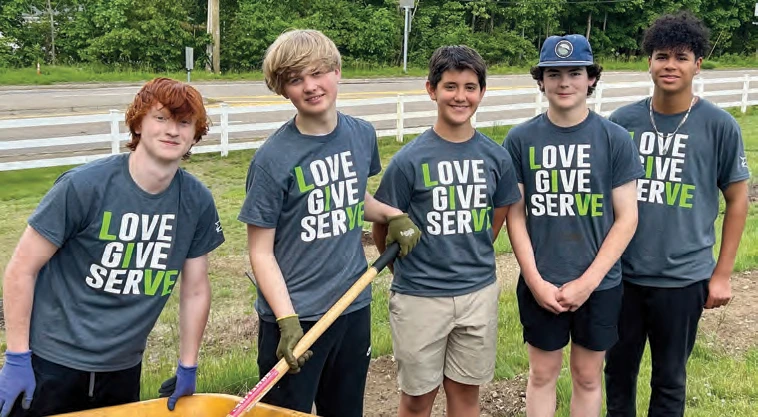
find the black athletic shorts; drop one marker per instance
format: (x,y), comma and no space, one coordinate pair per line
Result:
(593,326)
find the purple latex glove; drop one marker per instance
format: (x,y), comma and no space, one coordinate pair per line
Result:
(180,385)
(16,377)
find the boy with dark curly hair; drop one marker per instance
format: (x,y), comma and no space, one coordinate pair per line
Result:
(691,151)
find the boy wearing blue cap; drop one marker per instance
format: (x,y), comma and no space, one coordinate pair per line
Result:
(692,151)
(577,172)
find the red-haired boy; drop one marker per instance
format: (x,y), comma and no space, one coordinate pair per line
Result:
(98,261)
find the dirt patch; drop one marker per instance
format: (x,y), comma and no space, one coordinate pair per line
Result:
(498,398)
(367,239)
(734,328)
(753,193)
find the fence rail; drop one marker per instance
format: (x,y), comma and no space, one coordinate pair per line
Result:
(117,138)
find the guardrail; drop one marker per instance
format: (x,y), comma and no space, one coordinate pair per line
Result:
(116,138)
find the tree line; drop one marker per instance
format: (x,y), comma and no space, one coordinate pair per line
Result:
(152,34)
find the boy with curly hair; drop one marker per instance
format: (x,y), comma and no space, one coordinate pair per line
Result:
(691,150)
(98,261)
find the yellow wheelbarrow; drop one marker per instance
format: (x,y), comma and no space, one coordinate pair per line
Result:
(198,405)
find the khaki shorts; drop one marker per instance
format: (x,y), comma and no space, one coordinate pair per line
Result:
(455,337)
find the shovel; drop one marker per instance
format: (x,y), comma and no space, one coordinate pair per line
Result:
(281,368)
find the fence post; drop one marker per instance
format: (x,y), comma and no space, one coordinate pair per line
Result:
(115,133)
(745,91)
(538,103)
(224,129)
(400,113)
(599,97)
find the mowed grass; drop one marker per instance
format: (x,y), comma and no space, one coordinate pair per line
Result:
(718,384)
(89,73)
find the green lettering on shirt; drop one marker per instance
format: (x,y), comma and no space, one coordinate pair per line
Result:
(672,191)
(301,185)
(127,255)
(532,164)
(151,286)
(168,282)
(427,178)
(686,198)
(104,235)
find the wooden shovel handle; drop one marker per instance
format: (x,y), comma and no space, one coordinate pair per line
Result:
(274,375)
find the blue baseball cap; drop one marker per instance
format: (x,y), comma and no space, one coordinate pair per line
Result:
(566,51)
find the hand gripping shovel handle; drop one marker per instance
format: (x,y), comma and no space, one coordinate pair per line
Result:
(281,368)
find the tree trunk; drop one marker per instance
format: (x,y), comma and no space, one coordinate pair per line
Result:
(473,23)
(52,32)
(605,21)
(589,25)
(216,38)
(492,22)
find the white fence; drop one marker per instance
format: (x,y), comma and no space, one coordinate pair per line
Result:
(117,138)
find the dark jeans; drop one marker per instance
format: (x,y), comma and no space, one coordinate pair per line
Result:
(334,378)
(668,318)
(64,390)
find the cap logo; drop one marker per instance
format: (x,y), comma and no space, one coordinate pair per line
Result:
(564,49)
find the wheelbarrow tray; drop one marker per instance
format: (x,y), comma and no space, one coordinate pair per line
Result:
(198,405)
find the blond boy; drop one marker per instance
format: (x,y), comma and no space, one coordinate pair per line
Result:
(305,206)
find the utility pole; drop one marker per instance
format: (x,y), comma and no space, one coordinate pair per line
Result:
(52,30)
(214,29)
(407,5)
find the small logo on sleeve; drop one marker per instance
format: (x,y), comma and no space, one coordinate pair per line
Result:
(743,161)
(218,227)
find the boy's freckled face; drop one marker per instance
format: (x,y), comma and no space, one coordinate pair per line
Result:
(458,95)
(313,91)
(165,137)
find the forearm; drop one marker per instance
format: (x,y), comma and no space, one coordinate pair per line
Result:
(613,247)
(498,219)
(194,306)
(18,298)
(376,211)
(731,233)
(522,244)
(379,234)
(271,283)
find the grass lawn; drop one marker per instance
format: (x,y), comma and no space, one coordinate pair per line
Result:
(96,73)
(719,384)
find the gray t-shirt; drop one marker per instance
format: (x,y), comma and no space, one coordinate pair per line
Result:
(449,190)
(311,190)
(569,175)
(679,195)
(121,251)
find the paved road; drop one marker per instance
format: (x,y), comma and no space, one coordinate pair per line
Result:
(97,99)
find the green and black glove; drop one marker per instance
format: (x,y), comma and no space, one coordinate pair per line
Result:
(402,230)
(291,333)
